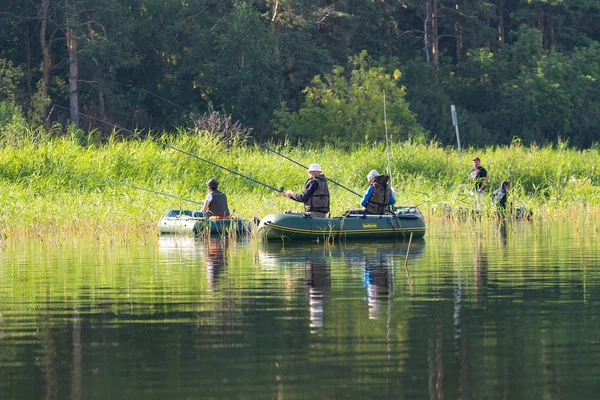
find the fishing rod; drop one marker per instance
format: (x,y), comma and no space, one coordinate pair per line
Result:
(254,142)
(278,190)
(304,166)
(133,187)
(387,141)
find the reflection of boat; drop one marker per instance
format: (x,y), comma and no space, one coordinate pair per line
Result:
(192,222)
(376,261)
(404,222)
(274,255)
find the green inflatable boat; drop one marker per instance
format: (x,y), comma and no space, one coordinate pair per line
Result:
(398,225)
(190,222)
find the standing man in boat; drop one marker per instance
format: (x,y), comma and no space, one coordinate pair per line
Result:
(315,195)
(215,204)
(479,175)
(379,195)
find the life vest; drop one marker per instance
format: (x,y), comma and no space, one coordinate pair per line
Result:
(319,201)
(380,198)
(218,206)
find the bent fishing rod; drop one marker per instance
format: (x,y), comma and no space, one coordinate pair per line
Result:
(254,141)
(132,187)
(305,167)
(179,150)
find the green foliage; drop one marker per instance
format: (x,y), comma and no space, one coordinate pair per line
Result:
(348,107)
(246,74)
(9,80)
(77,184)
(512,68)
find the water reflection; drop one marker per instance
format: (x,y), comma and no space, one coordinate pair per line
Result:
(215,255)
(318,283)
(377,263)
(212,251)
(462,318)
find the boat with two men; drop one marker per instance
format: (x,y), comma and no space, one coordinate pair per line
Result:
(399,224)
(190,222)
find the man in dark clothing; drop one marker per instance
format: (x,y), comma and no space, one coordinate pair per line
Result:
(479,175)
(315,195)
(500,196)
(215,204)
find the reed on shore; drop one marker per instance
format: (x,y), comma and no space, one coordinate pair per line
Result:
(60,183)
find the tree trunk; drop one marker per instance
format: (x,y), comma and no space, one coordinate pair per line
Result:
(28,65)
(273,28)
(459,41)
(98,81)
(427,29)
(501,21)
(73,67)
(435,51)
(46,55)
(541,25)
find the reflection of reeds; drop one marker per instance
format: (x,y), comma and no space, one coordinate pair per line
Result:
(42,194)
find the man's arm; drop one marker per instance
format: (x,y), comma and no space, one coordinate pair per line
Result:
(308,191)
(367,196)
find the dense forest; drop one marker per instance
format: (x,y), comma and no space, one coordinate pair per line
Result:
(318,71)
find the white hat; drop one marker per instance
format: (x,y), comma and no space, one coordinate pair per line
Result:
(314,167)
(372,174)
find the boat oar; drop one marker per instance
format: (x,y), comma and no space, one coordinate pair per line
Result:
(181,151)
(133,187)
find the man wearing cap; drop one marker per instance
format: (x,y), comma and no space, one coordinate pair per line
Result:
(379,195)
(479,175)
(215,204)
(315,195)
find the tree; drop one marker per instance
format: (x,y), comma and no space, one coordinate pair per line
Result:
(245,73)
(347,107)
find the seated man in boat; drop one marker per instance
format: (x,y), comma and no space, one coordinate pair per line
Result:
(379,195)
(315,195)
(215,204)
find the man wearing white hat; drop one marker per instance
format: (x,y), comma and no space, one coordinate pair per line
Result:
(315,195)
(379,195)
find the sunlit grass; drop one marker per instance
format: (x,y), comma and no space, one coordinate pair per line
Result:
(58,185)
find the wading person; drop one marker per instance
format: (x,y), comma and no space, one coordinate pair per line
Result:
(500,197)
(379,195)
(479,175)
(315,195)
(215,204)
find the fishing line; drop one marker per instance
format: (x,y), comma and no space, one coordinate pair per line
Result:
(181,151)
(387,141)
(258,144)
(132,187)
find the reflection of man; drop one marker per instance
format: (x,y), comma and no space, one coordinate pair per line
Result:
(480,273)
(378,284)
(318,281)
(216,261)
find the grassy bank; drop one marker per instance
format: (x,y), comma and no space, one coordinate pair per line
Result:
(44,184)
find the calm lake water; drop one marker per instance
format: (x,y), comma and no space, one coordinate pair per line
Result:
(481,312)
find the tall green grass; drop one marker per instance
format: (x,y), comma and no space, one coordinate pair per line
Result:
(46,185)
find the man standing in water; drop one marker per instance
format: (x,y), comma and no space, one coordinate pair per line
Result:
(479,175)
(500,197)
(315,195)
